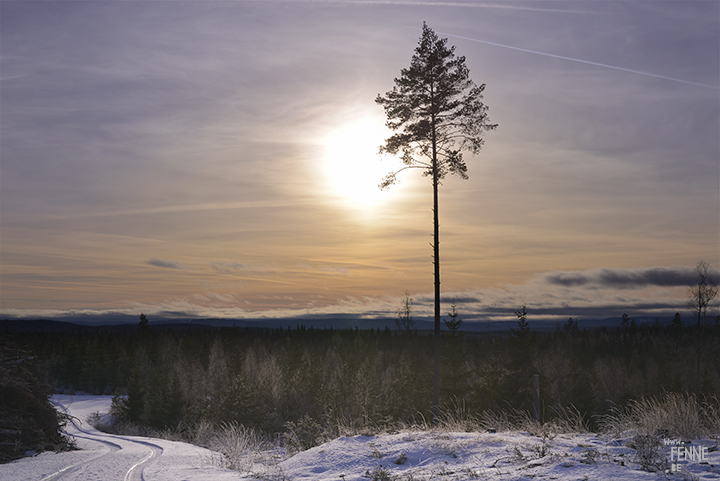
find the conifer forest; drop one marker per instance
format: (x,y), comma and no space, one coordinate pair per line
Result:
(271,380)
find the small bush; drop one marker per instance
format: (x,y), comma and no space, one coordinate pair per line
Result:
(590,456)
(101,422)
(303,434)
(236,443)
(647,452)
(378,474)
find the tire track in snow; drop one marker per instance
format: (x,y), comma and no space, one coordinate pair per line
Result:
(135,473)
(74,468)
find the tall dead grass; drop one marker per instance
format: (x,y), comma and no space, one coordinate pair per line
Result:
(566,419)
(669,414)
(244,449)
(457,418)
(239,446)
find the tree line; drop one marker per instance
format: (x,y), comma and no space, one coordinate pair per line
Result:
(166,378)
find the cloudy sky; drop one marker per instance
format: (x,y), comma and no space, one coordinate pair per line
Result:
(218,158)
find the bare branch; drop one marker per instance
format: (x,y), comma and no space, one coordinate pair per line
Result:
(391,178)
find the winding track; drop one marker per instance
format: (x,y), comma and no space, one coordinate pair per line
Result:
(135,473)
(120,457)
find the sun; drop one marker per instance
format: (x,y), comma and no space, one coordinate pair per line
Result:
(353,169)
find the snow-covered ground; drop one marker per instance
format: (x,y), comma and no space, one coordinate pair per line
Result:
(502,456)
(105,457)
(399,456)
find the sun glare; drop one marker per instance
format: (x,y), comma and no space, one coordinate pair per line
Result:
(353,168)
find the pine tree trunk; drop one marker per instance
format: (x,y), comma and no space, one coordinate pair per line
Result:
(436,259)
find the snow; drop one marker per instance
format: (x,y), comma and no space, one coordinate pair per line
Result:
(399,456)
(107,457)
(460,456)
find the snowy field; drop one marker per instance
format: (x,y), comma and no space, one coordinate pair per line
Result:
(399,456)
(502,456)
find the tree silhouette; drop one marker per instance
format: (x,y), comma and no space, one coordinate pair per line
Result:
(453,324)
(405,321)
(701,295)
(523,329)
(438,113)
(677,322)
(144,323)
(570,326)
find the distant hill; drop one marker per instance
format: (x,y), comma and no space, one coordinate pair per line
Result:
(45,325)
(339,322)
(32,325)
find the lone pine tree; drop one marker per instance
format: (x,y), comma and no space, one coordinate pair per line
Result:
(438,112)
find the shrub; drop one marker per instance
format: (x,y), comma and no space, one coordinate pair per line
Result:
(647,452)
(379,474)
(303,434)
(235,443)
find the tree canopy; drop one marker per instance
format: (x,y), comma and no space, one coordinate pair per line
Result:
(437,111)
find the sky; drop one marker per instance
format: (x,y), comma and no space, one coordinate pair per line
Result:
(219,159)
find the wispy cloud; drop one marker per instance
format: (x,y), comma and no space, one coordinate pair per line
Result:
(166,264)
(595,293)
(342,271)
(238,267)
(591,294)
(627,278)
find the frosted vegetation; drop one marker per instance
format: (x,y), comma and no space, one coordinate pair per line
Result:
(445,451)
(631,444)
(273,380)
(264,399)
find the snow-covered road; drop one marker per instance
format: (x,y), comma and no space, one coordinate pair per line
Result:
(105,457)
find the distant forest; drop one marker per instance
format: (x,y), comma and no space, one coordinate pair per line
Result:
(167,378)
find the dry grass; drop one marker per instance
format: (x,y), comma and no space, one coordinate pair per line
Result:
(671,414)
(238,445)
(245,449)
(566,420)
(457,418)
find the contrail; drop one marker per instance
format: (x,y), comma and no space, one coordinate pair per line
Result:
(586,62)
(429,3)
